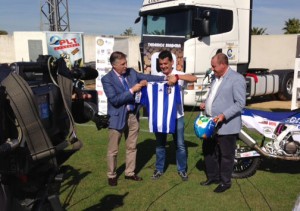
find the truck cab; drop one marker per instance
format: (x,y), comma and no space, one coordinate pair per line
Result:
(194,31)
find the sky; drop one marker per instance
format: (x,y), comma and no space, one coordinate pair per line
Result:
(113,17)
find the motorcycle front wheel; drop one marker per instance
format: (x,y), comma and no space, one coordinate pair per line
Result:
(245,167)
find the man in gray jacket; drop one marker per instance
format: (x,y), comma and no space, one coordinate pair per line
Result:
(225,101)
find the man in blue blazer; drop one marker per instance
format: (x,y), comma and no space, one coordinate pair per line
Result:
(225,101)
(121,85)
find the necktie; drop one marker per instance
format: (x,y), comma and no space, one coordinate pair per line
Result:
(129,106)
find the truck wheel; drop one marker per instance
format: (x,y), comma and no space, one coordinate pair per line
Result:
(286,86)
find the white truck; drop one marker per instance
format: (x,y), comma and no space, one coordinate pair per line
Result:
(194,31)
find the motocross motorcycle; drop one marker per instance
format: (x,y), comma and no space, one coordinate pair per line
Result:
(37,129)
(280,139)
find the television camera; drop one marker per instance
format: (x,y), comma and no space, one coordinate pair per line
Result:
(40,103)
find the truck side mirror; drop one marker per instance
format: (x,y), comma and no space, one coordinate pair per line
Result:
(138,19)
(201,25)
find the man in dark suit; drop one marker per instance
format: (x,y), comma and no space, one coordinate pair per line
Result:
(121,85)
(225,101)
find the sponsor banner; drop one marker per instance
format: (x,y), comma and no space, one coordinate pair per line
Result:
(67,45)
(104,48)
(154,45)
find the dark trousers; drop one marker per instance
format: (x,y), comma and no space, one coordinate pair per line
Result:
(219,157)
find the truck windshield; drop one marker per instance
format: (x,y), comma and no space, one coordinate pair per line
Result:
(179,22)
(175,23)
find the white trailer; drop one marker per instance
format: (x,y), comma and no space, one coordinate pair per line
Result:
(194,31)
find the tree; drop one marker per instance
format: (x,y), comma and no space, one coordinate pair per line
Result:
(2,32)
(292,26)
(258,31)
(128,32)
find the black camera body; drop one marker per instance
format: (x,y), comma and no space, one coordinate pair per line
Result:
(38,113)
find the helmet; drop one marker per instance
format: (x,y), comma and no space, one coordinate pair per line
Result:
(204,127)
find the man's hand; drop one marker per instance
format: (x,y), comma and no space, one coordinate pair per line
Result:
(137,87)
(219,118)
(172,80)
(202,106)
(143,82)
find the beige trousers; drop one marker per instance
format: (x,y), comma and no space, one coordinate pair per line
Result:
(130,131)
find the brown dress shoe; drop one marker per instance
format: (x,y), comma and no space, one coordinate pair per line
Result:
(134,178)
(113,181)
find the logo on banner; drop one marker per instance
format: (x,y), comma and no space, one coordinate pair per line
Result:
(63,43)
(100,42)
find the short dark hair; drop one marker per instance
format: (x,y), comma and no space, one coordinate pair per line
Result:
(165,54)
(115,56)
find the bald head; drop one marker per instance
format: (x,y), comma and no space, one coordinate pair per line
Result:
(221,58)
(219,64)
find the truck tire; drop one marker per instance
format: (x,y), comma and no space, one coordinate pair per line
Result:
(286,78)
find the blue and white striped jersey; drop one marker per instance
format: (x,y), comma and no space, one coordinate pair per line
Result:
(161,102)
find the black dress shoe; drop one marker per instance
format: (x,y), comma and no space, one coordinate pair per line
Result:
(134,178)
(221,188)
(113,181)
(209,182)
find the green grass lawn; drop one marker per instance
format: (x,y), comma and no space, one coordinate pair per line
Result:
(275,186)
